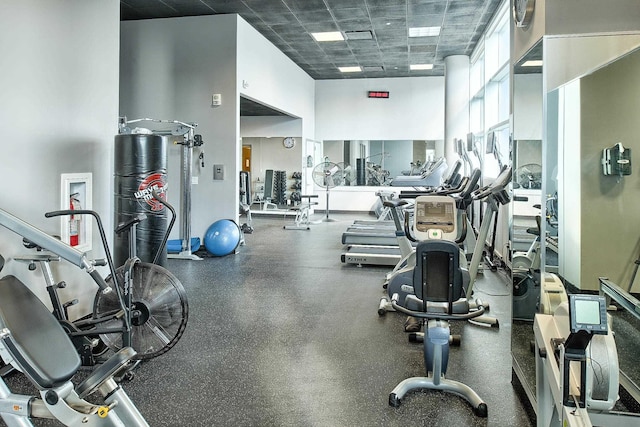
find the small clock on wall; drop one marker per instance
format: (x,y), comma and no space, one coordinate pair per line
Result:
(289,142)
(522,12)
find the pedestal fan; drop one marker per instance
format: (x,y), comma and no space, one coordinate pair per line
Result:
(528,176)
(327,175)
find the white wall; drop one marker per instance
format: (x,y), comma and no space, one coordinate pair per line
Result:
(414,110)
(268,76)
(59,103)
(169,70)
(527,106)
(270,126)
(569,184)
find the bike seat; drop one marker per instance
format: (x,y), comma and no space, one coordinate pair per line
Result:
(37,342)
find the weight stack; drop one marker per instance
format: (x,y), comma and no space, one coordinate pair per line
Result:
(140,166)
(280,187)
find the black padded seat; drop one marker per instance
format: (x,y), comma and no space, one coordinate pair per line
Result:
(437,276)
(42,348)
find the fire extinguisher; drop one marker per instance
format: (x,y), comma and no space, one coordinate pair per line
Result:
(74,221)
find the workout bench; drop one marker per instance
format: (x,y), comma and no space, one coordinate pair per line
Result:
(302,221)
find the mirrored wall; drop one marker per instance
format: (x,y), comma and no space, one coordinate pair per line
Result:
(576,223)
(378,162)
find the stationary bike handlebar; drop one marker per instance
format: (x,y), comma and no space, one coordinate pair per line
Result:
(51,244)
(104,287)
(442,316)
(170,227)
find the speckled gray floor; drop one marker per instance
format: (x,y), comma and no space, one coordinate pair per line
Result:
(283,334)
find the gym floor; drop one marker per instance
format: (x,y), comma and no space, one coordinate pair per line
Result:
(283,334)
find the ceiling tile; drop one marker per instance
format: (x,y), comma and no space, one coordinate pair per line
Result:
(279,18)
(355,24)
(343,4)
(424,20)
(314,16)
(259,6)
(305,5)
(350,13)
(437,7)
(226,6)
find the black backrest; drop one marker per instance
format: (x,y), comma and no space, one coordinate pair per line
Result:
(38,342)
(437,276)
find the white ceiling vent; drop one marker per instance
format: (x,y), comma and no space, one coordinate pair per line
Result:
(358,35)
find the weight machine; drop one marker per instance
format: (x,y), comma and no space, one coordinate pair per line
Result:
(190,140)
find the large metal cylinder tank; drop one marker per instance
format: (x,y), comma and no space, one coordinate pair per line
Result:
(140,166)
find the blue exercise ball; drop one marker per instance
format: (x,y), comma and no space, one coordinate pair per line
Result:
(222,237)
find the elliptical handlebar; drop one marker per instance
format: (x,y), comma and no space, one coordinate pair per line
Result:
(496,187)
(472,183)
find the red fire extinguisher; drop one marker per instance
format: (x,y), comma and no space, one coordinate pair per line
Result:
(74,221)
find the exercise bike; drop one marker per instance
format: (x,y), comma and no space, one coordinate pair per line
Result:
(534,291)
(438,298)
(439,220)
(139,305)
(33,342)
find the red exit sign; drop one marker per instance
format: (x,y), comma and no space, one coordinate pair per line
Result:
(378,94)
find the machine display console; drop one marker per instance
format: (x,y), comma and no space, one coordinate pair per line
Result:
(588,313)
(435,215)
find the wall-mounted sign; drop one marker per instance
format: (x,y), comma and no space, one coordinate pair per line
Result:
(378,94)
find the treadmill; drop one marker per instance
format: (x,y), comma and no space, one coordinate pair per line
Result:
(382,254)
(386,235)
(392,254)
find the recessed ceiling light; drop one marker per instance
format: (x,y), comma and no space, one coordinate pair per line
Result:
(424,31)
(533,63)
(416,67)
(329,36)
(350,69)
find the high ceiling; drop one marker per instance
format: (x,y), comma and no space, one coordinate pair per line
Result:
(377,31)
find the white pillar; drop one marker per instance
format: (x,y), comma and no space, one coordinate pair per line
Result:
(456,103)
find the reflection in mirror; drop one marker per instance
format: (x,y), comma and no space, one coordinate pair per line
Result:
(588,222)
(525,225)
(379,162)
